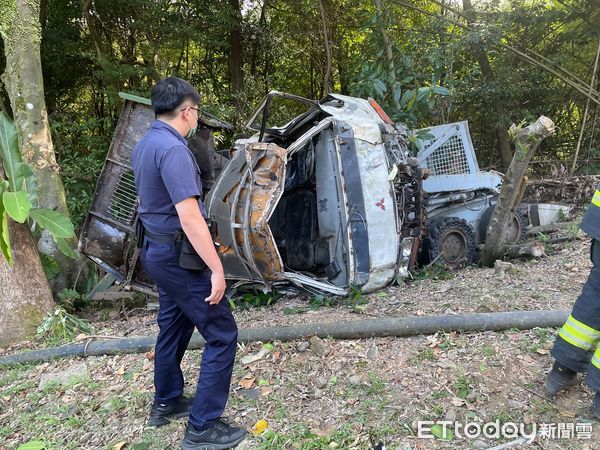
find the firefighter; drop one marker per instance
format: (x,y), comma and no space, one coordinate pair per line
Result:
(577,346)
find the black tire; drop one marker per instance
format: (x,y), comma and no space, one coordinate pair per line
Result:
(518,225)
(452,241)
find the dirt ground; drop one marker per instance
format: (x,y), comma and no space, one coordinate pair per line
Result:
(352,394)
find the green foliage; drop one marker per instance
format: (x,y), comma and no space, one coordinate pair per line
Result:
(9,152)
(17,205)
(546,240)
(60,326)
(304,439)
(32,445)
(355,300)
(439,77)
(254,299)
(56,223)
(81,145)
(51,267)
(437,272)
(462,387)
(417,139)
(4,237)
(71,300)
(425,354)
(488,351)
(573,230)
(319,300)
(17,201)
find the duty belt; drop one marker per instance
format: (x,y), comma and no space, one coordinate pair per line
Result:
(163,238)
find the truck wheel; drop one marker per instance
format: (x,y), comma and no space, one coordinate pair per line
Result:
(453,242)
(518,226)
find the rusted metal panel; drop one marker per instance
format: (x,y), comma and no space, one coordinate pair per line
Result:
(241,203)
(108,229)
(108,232)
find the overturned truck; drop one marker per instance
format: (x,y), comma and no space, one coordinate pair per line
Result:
(324,196)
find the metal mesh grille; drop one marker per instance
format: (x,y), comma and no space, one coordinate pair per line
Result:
(123,202)
(449,158)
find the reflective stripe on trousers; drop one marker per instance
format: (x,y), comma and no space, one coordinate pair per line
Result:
(596,198)
(579,334)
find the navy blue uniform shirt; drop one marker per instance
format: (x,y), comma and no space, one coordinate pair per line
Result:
(165,174)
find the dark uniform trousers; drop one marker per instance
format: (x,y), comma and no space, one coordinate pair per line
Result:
(577,345)
(181,308)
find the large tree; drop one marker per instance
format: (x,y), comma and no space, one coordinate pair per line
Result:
(24,290)
(21,33)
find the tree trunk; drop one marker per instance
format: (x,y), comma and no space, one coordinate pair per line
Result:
(262,23)
(236,75)
(526,141)
(502,138)
(326,40)
(24,290)
(389,55)
(341,61)
(86,5)
(25,87)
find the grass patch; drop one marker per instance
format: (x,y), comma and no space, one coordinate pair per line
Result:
(488,350)
(442,393)
(14,373)
(502,417)
(377,385)
(304,439)
(424,354)
(462,387)
(355,300)
(289,310)
(436,272)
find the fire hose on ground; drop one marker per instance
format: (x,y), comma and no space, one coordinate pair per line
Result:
(388,327)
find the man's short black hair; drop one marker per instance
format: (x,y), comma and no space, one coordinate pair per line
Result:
(170,92)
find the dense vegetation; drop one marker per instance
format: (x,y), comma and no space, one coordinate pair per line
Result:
(445,61)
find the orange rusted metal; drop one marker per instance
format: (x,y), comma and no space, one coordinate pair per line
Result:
(254,205)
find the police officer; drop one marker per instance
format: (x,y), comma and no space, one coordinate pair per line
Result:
(577,347)
(168,185)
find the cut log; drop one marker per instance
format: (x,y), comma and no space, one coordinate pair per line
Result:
(533,249)
(526,141)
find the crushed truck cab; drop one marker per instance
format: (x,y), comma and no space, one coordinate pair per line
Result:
(324,196)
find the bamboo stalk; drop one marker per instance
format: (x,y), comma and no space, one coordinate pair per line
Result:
(585,113)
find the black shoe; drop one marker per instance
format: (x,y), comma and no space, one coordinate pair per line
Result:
(161,414)
(596,406)
(560,378)
(218,437)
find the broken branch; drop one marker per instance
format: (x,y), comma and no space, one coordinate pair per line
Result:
(526,141)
